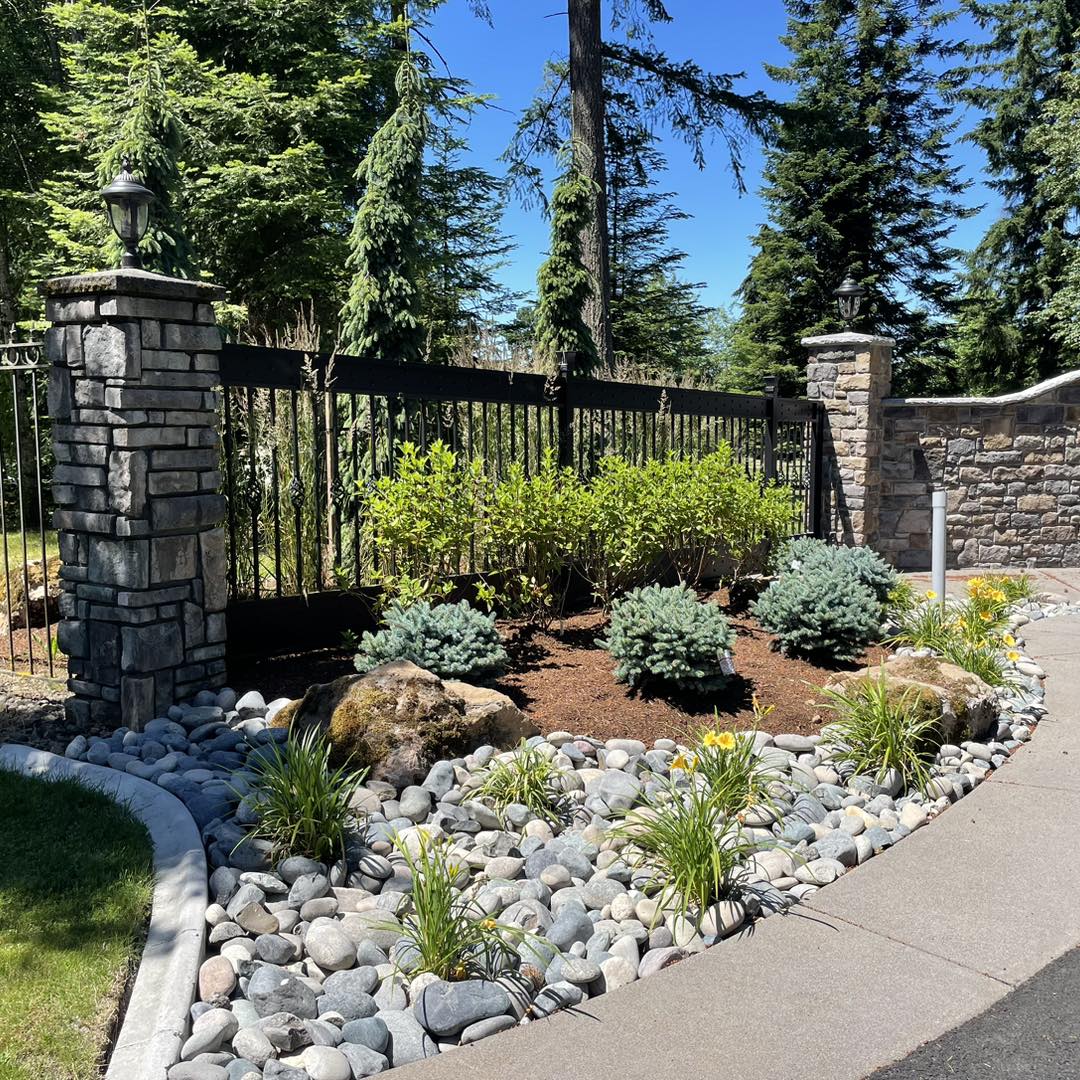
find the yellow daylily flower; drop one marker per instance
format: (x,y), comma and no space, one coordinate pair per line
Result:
(931,594)
(1012,656)
(489,924)
(985,616)
(682,761)
(712,738)
(1008,640)
(726,741)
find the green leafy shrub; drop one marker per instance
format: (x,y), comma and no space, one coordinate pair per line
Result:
(455,641)
(527,778)
(864,565)
(535,524)
(304,806)
(670,636)
(820,610)
(445,933)
(423,520)
(880,728)
(691,848)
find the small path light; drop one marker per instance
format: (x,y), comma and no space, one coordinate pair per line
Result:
(849,299)
(128,205)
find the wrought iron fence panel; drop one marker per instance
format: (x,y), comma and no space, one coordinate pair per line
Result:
(30,559)
(305,436)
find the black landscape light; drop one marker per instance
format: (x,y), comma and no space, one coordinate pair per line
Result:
(128,204)
(849,299)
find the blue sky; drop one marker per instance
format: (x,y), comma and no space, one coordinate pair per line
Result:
(507,60)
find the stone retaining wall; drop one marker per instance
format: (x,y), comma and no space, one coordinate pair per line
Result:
(1011,467)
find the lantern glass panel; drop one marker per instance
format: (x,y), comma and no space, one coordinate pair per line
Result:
(142,220)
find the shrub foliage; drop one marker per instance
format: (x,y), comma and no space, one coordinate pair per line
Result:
(820,610)
(455,641)
(668,635)
(440,516)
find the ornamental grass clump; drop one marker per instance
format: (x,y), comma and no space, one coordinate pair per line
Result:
(528,778)
(820,609)
(880,727)
(445,933)
(304,806)
(455,641)
(692,850)
(668,635)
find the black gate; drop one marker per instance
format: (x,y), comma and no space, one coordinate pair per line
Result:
(30,558)
(303,433)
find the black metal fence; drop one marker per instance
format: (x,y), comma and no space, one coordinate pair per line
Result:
(29,561)
(303,435)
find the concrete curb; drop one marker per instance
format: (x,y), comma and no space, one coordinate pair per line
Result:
(914,943)
(157,1016)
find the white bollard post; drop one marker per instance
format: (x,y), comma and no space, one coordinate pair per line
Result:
(939,500)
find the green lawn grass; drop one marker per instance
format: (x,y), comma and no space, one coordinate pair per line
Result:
(13,543)
(75,886)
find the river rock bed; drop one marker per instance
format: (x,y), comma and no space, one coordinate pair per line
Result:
(305,978)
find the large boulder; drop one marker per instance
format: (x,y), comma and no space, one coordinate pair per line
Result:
(397,720)
(967,707)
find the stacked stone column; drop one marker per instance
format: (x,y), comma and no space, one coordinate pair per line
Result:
(134,402)
(850,374)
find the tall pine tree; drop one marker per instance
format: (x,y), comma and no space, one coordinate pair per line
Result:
(462,248)
(1009,333)
(858,181)
(381,317)
(658,321)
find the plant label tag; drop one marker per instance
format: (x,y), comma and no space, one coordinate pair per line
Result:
(727,664)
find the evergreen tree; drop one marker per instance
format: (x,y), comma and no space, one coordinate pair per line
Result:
(1057,138)
(658,322)
(1009,333)
(380,318)
(28,58)
(572,103)
(563,282)
(462,248)
(858,181)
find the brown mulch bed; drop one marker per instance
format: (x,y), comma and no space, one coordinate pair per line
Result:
(564,681)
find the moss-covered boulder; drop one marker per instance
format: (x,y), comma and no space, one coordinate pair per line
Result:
(965,705)
(398,719)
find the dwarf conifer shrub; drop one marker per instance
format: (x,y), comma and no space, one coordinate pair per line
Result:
(454,641)
(668,635)
(820,609)
(861,563)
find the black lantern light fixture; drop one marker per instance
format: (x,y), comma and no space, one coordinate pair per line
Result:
(849,299)
(128,204)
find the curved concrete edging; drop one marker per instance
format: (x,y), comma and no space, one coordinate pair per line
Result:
(157,1015)
(907,947)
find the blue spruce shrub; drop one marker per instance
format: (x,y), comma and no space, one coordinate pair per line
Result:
(455,641)
(670,636)
(864,565)
(821,609)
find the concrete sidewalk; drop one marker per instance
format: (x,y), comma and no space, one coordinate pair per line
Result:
(907,947)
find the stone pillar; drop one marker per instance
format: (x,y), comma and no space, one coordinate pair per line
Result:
(134,405)
(850,374)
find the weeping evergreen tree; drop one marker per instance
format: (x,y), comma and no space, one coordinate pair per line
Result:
(858,181)
(151,138)
(564,285)
(380,318)
(1010,333)
(116,103)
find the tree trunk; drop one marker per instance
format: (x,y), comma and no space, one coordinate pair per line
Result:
(587,126)
(9,308)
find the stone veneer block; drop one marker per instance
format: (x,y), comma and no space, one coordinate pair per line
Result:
(850,374)
(137,485)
